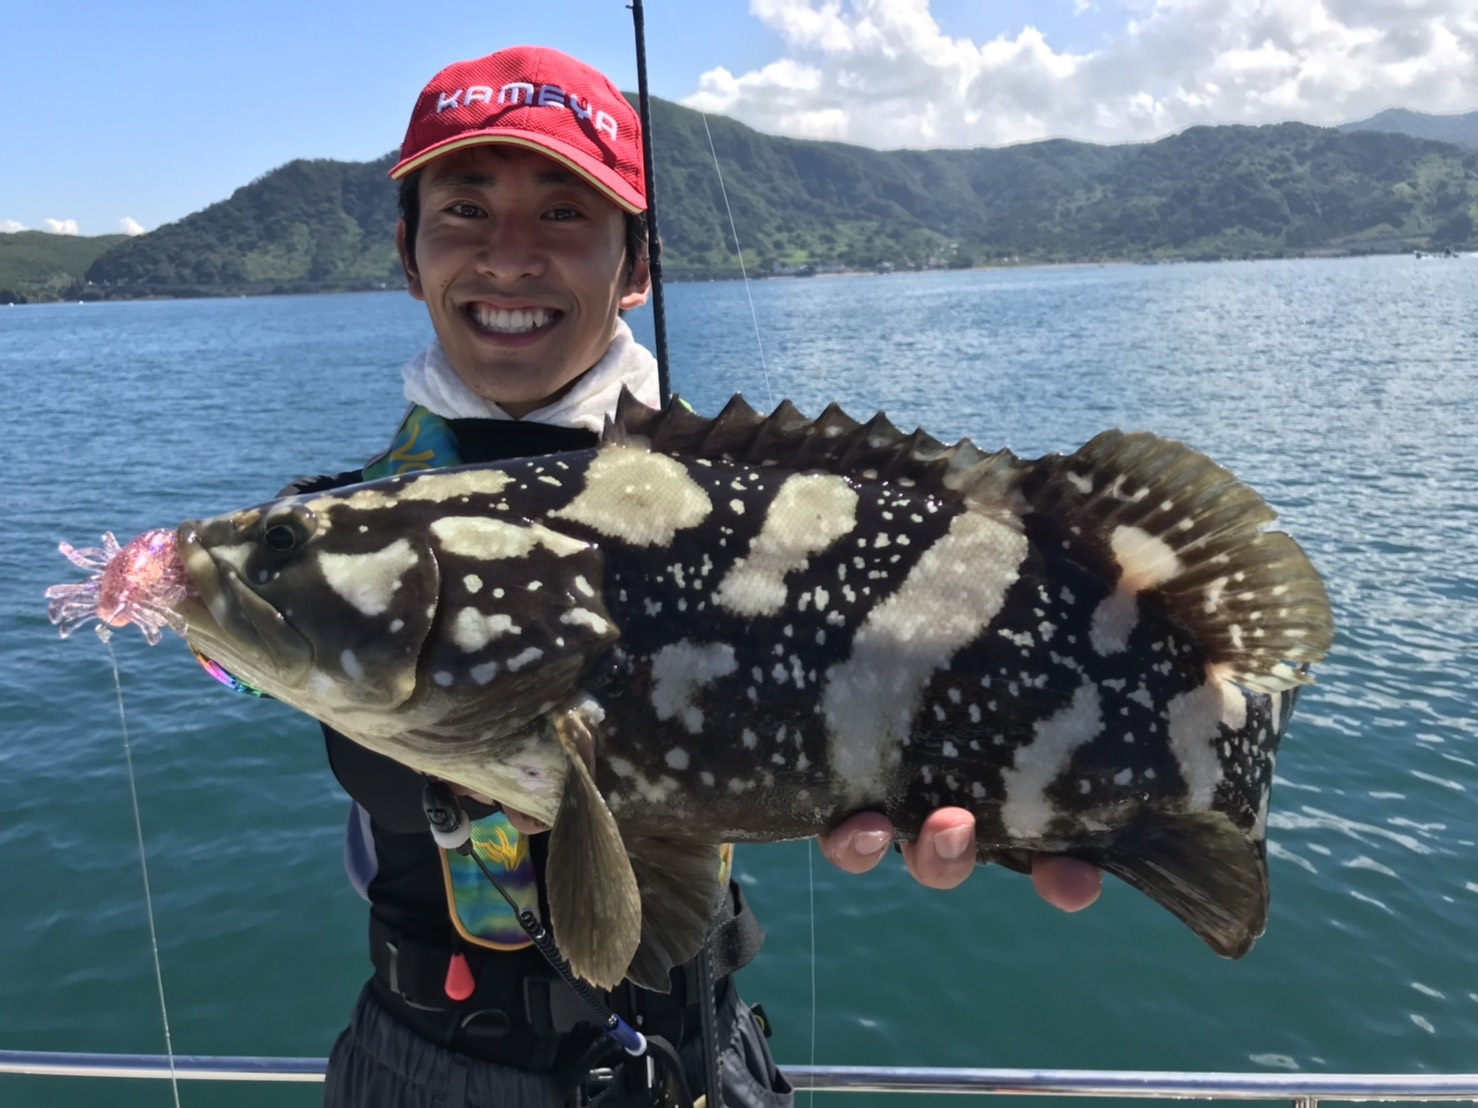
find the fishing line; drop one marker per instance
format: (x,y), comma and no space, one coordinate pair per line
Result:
(770,401)
(743,272)
(138,826)
(811,883)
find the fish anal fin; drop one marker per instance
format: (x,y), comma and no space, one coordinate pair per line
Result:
(679,883)
(1200,867)
(594,902)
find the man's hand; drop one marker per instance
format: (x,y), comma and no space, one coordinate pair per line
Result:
(941,858)
(944,855)
(526,824)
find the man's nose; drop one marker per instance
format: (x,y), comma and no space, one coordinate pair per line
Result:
(511,250)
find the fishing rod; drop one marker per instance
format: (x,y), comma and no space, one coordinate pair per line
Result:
(654,240)
(712,1072)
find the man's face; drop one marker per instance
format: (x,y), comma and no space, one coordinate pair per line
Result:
(523,268)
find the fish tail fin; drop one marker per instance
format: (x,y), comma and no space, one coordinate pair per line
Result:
(1200,867)
(1176,528)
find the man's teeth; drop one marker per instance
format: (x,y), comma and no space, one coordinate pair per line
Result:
(511,322)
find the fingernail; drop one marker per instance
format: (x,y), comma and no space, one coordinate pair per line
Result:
(868,843)
(953,842)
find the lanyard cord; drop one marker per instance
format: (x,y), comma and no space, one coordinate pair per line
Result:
(452,830)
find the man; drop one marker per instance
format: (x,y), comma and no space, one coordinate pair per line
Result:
(522,231)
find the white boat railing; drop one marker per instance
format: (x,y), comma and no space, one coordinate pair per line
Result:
(1302,1090)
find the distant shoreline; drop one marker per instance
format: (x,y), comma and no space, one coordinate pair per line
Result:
(298,288)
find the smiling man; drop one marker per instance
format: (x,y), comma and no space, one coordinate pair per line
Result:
(522,230)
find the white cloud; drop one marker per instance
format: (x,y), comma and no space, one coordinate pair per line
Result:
(883,73)
(61,226)
(130,226)
(7,226)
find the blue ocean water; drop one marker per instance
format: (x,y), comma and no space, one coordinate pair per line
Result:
(1343,391)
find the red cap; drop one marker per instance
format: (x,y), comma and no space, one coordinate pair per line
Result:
(540,99)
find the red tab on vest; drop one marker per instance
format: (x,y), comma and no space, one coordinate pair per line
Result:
(459,983)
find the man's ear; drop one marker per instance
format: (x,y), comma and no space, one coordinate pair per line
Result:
(407,263)
(638,286)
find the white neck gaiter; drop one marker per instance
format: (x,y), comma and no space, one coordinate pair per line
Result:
(431,382)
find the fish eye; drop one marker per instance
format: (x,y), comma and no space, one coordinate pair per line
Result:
(286,530)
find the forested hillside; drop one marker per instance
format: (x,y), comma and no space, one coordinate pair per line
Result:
(799,206)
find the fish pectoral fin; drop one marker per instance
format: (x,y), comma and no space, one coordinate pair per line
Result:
(1200,867)
(679,883)
(595,908)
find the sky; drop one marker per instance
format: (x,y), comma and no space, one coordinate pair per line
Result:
(122,118)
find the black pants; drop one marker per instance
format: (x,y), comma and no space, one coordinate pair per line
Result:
(378,1063)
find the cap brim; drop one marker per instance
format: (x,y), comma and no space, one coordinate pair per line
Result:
(602,177)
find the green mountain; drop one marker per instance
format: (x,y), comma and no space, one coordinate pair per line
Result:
(1208,192)
(35,265)
(1461,129)
(308,226)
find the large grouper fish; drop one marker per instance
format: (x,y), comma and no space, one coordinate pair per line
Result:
(748,628)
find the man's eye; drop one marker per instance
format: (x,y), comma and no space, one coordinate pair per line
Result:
(562,214)
(463,208)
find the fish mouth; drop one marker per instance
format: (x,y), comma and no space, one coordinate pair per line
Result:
(228,622)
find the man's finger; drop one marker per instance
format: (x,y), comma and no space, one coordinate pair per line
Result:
(944,854)
(858,844)
(1067,883)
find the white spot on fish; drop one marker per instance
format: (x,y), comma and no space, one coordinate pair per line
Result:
(442,678)
(680,671)
(487,539)
(1195,720)
(472,582)
(637,497)
(953,592)
(368,581)
(808,514)
(1145,562)
(349,663)
(472,630)
(677,758)
(485,672)
(518,661)
(584,617)
(1113,621)
(436,488)
(1027,812)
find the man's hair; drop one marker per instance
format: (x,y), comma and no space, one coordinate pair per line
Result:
(410,211)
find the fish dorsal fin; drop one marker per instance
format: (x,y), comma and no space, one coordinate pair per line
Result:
(1176,528)
(833,442)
